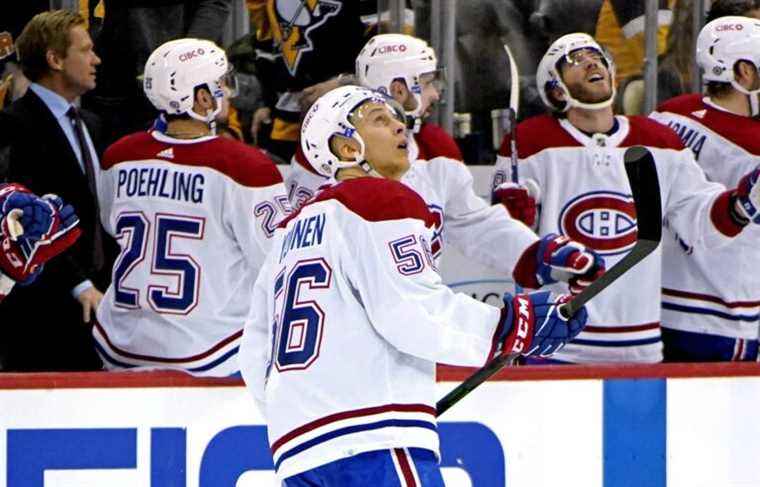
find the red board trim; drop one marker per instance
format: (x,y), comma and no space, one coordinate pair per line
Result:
(108,380)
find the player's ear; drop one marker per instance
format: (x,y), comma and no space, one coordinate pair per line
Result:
(203,100)
(746,74)
(399,91)
(345,148)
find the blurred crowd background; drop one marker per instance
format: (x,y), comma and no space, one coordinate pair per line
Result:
(280,47)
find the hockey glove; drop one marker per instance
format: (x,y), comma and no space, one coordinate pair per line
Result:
(748,198)
(519,201)
(562,259)
(532,325)
(32,231)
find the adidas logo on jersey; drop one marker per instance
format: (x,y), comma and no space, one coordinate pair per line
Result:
(699,113)
(166,153)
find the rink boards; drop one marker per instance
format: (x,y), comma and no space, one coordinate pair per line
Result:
(567,426)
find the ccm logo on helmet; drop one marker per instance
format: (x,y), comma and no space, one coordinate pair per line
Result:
(602,220)
(524,319)
(192,54)
(724,27)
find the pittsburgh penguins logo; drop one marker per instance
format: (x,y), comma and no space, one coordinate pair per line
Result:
(6,44)
(602,220)
(292,23)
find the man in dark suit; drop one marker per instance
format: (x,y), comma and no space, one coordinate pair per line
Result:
(53,150)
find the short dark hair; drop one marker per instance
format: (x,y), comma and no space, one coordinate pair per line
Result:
(722,8)
(46,30)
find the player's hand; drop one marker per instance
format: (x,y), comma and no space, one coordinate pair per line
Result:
(90,299)
(518,200)
(261,116)
(310,94)
(562,259)
(748,197)
(531,324)
(33,230)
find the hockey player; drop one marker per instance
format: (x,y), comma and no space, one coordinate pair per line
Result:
(406,69)
(463,219)
(193,214)
(709,315)
(33,230)
(575,158)
(351,284)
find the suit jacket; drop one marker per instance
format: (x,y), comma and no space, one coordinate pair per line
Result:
(44,315)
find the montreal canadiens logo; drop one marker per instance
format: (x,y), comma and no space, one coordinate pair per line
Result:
(602,220)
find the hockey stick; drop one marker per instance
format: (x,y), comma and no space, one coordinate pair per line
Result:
(645,188)
(514,107)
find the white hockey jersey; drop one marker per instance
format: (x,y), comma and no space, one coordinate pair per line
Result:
(718,291)
(586,196)
(484,233)
(193,219)
(357,318)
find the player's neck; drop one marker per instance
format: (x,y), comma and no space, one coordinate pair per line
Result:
(352,172)
(734,102)
(592,121)
(187,129)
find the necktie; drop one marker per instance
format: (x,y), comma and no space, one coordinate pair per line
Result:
(89,171)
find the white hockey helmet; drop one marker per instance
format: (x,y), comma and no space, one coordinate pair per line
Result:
(548,75)
(388,57)
(176,68)
(330,116)
(724,42)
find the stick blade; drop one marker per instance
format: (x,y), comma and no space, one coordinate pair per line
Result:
(642,175)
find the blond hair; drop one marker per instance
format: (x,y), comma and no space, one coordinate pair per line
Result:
(46,31)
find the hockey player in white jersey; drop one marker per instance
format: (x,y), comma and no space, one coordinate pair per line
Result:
(350,315)
(711,298)
(575,157)
(462,218)
(193,214)
(406,69)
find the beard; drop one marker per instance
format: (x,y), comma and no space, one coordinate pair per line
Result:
(585,94)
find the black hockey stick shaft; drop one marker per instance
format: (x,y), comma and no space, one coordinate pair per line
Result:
(645,188)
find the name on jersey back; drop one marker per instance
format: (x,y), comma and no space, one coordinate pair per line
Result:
(306,232)
(160,182)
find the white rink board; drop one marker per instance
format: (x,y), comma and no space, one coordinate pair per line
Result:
(519,414)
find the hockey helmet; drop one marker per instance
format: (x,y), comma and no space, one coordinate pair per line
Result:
(176,68)
(548,75)
(332,115)
(724,42)
(389,57)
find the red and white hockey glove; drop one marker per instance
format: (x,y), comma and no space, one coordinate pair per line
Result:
(531,324)
(519,199)
(33,230)
(562,259)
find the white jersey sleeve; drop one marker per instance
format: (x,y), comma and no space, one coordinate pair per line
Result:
(483,232)
(397,289)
